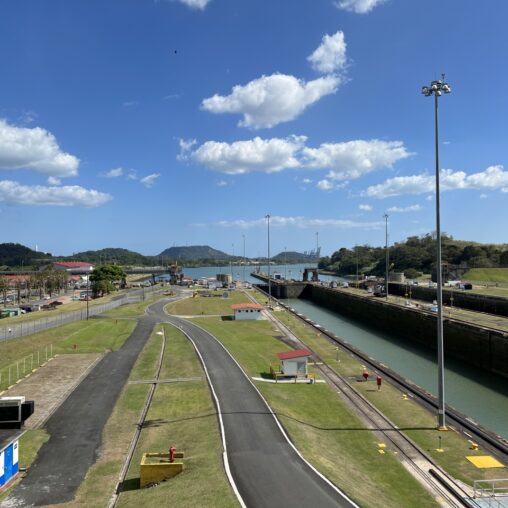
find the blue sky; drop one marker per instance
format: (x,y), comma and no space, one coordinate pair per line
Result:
(145,124)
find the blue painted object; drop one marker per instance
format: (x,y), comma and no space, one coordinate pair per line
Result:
(9,462)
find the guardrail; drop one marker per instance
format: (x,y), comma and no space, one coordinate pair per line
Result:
(20,368)
(491,491)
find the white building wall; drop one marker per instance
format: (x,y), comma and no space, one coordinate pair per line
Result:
(247,314)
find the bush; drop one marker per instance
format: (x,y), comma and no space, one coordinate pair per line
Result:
(411,273)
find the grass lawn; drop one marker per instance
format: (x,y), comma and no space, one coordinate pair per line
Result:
(101,478)
(419,423)
(182,415)
(60,309)
(321,425)
(132,309)
(487,275)
(95,335)
(213,305)
(189,422)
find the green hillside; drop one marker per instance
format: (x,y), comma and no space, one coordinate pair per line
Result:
(15,254)
(113,255)
(487,275)
(194,253)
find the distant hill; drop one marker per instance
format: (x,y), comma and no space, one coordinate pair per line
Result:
(194,253)
(15,254)
(294,257)
(113,255)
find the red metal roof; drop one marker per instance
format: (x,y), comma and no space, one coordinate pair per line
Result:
(238,306)
(72,264)
(297,353)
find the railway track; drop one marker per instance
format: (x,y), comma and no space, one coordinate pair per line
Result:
(139,426)
(446,489)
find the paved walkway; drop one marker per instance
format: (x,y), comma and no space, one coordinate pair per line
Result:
(266,469)
(50,384)
(76,428)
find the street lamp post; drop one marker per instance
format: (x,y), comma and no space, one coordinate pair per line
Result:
(267,217)
(285,264)
(387,260)
(243,237)
(87,294)
(436,88)
(317,254)
(356,252)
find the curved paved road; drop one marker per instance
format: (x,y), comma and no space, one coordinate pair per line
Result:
(266,469)
(76,428)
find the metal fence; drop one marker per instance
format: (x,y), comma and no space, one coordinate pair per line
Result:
(24,328)
(20,368)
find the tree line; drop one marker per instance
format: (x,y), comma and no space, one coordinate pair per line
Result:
(415,256)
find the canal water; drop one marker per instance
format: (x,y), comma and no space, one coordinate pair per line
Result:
(474,392)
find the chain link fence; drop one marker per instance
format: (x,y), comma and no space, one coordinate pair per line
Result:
(24,328)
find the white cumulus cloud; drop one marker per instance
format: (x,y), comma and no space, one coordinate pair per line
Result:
(265,155)
(71,195)
(358,6)
(324,185)
(195,4)
(114,173)
(494,177)
(352,159)
(330,56)
(405,209)
(365,208)
(149,180)
(301,222)
(36,149)
(270,100)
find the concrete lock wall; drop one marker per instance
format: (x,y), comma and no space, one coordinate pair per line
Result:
(481,347)
(461,298)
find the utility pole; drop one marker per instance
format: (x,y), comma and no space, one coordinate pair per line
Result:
(436,88)
(387,255)
(243,237)
(267,217)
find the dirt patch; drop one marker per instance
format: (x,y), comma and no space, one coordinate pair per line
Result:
(52,383)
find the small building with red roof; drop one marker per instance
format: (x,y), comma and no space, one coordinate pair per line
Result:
(293,363)
(247,311)
(73,266)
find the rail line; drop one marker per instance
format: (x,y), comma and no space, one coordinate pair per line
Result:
(451,492)
(139,426)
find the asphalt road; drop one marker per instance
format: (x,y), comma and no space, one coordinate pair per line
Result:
(76,428)
(266,469)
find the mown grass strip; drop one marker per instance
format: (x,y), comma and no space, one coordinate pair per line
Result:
(208,305)
(417,422)
(102,477)
(133,309)
(181,415)
(321,425)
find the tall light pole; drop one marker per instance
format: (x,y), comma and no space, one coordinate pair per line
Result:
(317,248)
(243,237)
(387,260)
(267,217)
(231,262)
(356,252)
(436,88)
(285,264)
(87,294)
